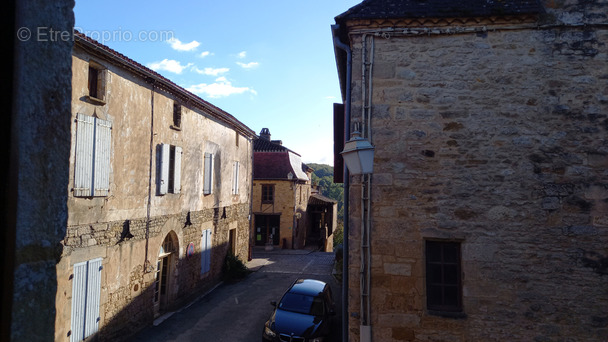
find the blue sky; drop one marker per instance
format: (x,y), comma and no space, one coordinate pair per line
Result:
(270,63)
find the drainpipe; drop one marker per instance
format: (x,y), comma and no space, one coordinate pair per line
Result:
(147,265)
(346,48)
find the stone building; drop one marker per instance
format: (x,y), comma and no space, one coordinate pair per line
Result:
(159,192)
(486,216)
(286,212)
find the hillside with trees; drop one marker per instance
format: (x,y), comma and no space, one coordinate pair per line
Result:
(323,176)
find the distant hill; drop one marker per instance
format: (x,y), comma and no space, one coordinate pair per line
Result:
(323,176)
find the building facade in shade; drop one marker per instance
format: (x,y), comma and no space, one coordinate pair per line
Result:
(159,193)
(485,218)
(288,211)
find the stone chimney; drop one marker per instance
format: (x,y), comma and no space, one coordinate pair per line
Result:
(265,134)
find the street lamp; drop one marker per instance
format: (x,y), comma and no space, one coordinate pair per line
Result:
(358,155)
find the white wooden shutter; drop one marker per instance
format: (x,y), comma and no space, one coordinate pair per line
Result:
(235,178)
(208,174)
(83,164)
(92,159)
(206,251)
(79,291)
(163,178)
(93,293)
(177,170)
(103,145)
(86,289)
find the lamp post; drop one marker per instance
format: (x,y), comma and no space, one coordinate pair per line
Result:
(358,155)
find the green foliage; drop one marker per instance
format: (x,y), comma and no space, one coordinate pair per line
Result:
(233,269)
(323,176)
(339,234)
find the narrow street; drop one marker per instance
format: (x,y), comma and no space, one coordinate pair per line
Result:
(237,312)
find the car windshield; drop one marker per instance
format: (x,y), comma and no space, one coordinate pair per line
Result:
(302,304)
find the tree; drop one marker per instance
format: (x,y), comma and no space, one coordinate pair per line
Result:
(323,176)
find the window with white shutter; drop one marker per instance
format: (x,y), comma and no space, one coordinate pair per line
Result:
(235,178)
(208,174)
(206,251)
(169,169)
(92,160)
(86,289)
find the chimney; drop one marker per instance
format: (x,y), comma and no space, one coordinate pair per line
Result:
(265,134)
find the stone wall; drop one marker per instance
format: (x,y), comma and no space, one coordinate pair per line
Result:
(36,132)
(496,139)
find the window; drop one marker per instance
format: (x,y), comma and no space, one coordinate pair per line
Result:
(177,115)
(443,276)
(170,163)
(206,251)
(235,178)
(208,174)
(86,286)
(97,82)
(92,159)
(267,193)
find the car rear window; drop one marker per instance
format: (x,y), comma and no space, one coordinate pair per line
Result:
(302,304)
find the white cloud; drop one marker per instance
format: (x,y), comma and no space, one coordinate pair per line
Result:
(221,88)
(211,71)
(249,65)
(169,65)
(176,44)
(242,54)
(205,54)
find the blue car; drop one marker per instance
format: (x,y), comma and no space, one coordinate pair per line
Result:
(304,314)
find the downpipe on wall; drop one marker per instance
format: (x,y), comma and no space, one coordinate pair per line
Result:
(367,62)
(345,244)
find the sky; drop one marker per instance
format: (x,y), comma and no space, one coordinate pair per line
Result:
(269,63)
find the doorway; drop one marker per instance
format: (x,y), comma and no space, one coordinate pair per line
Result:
(267,229)
(163,272)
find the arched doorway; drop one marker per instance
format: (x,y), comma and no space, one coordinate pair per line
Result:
(165,265)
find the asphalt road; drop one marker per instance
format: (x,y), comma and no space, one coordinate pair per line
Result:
(236,312)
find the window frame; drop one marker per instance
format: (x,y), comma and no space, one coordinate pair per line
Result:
(267,193)
(449,279)
(97,79)
(235,178)
(169,169)
(177,116)
(208,173)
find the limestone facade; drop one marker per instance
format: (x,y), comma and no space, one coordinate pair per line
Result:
(157,247)
(491,134)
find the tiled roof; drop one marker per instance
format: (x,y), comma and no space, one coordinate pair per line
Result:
(263,145)
(276,166)
(114,56)
(318,199)
(392,9)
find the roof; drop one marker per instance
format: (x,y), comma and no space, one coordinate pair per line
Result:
(309,287)
(278,166)
(263,145)
(94,47)
(318,199)
(393,9)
